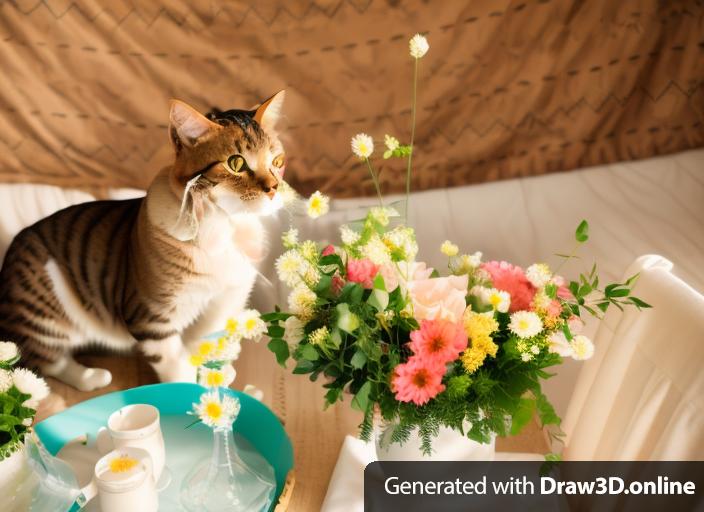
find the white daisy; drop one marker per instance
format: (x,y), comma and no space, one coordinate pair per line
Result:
(582,348)
(290,238)
(293,331)
(317,205)
(525,324)
(362,145)
(29,383)
(213,378)
(309,250)
(228,349)
(449,249)
(497,299)
(252,324)
(8,351)
(526,356)
(418,46)
(348,235)
(5,381)
(558,344)
(290,266)
(301,301)
(217,412)
(538,274)
(233,328)
(311,275)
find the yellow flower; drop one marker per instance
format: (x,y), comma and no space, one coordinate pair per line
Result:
(205,348)
(319,336)
(215,411)
(196,360)
(478,324)
(449,249)
(212,378)
(485,344)
(318,205)
(472,358)
(232,326)
(122,464)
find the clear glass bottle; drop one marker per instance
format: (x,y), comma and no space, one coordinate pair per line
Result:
(225,482)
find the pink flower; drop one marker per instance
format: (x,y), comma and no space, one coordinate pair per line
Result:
(438,340)
(337,284)
(439,297)
(562,291)
(328,250)
(390,274)
(511,278)
(362,271)
(417,381)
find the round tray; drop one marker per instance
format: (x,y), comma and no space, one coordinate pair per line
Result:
(255,423)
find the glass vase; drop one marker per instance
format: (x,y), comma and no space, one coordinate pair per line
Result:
(225,482)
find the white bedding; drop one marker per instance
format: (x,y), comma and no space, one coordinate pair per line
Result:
(634,208)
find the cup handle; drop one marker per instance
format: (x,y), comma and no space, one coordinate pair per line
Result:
(103,441)
(89,492)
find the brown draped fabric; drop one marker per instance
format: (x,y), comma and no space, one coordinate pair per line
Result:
(509,88)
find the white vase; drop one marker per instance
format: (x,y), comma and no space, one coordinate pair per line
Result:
(14,473)
(449,445)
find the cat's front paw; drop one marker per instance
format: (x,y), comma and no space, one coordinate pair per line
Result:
(180,370)
(94,378)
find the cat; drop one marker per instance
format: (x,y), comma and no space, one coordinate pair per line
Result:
(135,274)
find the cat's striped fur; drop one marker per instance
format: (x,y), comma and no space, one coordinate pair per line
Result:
(138,273)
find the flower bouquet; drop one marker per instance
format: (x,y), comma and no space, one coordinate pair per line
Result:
(20,393)
(465,349)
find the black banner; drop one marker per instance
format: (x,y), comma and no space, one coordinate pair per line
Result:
(538,486)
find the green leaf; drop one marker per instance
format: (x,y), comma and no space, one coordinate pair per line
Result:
(303,366)
(379,283)
(280,348)
(379,299)
(323,285)
(352,293)
(309,352)
(619,292)
(346,320)
(546,412)
(359,359)
(275,331)
(551,290)
(332,396)
(566,331)
(582,232)
(275,316)
(522,415)
(361,399)
(639,303)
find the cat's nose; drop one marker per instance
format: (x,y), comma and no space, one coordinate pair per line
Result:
(270,187)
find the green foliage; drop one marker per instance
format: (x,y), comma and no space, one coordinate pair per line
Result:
(13,416)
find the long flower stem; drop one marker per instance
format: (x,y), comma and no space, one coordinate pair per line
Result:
(413,134)
(375,180)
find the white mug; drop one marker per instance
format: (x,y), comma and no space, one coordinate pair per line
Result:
(123,480)
(135,426)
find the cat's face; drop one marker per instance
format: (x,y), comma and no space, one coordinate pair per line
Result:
(235,155)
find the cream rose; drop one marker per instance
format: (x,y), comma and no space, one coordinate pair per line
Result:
(438,298)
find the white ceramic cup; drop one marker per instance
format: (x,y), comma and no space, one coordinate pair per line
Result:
(123,488)
(135,426)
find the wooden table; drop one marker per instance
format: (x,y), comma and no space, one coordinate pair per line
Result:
(317,435)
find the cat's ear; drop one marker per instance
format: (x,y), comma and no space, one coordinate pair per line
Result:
(187,126)
(269,112)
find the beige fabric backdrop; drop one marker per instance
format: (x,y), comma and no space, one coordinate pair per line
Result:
(509,88)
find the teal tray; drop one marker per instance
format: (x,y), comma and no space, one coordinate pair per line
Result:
(256,423)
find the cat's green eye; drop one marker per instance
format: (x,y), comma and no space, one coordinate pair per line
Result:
(236,163)
(278,161)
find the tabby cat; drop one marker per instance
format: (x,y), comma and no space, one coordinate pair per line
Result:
(138,273)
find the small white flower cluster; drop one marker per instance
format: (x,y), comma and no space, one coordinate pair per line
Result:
(539,275)
(301,301)
(418,46)
(25,381)
(579,348)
